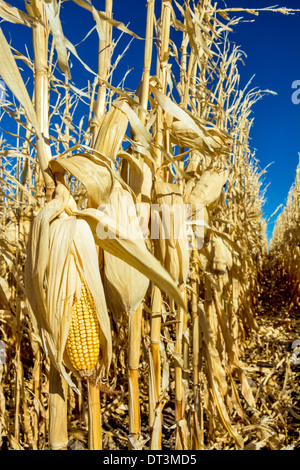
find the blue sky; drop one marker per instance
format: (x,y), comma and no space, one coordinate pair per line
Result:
(273,55)
(271,45)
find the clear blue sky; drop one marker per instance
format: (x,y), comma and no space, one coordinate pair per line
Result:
(271,44)
(273,55)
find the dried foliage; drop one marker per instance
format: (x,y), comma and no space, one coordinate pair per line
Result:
(285,243)
(196,350)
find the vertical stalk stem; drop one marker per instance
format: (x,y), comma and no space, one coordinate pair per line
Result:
(18,380)
(135,337)
(179,390)
(147,58)
(104,62)
(155,371)
(41,89)
(94,414)
(58,417)
(162,62)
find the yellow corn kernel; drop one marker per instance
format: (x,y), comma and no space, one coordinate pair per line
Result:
(83,342)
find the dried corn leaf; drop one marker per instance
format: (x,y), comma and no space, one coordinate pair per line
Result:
(117,24)
(212,355)
(112,239)
(232,352)
(183,135)
(15,15)
(217,378)
(176,111)
(136,176)
(140,131)
(197,42)
(5,294)
(10,73)
(221,257)
(52,12)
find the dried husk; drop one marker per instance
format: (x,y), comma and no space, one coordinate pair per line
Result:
(208,188)
(194,165)
(115,241)
(125,287)
(111,133)
(138,176)
(221,257)
(135,176)
(171,248)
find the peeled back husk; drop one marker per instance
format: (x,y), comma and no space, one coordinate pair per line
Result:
(61,253)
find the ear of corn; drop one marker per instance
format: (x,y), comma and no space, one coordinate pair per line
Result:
(221,257)
(171,248)
(209,187)
(83,343)
(123,296)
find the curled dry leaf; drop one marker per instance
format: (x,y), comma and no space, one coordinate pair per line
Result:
(183,135)
(94,172)
(15,15)
(115,241)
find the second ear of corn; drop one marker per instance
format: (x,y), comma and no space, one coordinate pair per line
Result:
(83,342)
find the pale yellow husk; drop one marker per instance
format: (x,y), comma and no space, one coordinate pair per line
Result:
(125,287)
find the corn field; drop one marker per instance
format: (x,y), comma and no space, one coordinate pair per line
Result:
(140,305)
